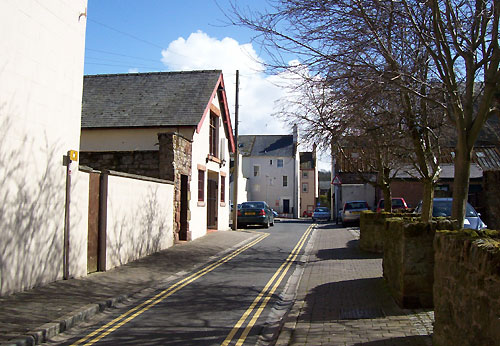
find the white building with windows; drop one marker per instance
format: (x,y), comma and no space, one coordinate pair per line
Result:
(271,165)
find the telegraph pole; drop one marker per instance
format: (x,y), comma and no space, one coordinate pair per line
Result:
(236,155)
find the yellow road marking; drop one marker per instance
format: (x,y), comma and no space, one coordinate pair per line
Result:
(283,269)
(148,304)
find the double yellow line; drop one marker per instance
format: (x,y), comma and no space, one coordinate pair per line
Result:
(265,295)
(148,304)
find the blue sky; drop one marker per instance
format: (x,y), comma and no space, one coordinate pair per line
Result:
(128,36)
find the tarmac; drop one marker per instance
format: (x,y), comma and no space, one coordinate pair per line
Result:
(339,296)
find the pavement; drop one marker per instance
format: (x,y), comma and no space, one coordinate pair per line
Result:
(339,298)
(342,299)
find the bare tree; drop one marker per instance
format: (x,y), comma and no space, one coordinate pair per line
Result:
(436,53)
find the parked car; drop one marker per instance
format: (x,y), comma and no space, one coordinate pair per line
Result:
(321,213)
(307,213)
(397,203)
(352,211)
(442,207)
(255,213)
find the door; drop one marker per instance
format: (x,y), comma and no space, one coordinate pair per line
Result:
(212,201)
(93,226)
(286,206)
(183,231)
(96,236)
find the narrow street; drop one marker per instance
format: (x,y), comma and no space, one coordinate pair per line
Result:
(226,302)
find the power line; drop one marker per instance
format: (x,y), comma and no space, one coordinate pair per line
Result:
(125,33)
(119,65)
(119,54)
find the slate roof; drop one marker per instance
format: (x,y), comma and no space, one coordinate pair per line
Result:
(266,145)
(147,99)
(486,157)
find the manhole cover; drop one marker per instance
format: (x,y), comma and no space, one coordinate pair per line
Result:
(356,314)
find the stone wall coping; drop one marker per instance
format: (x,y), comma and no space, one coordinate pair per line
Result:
(125,175)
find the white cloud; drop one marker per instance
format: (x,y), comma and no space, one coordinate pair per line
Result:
(133,70)
(258,91)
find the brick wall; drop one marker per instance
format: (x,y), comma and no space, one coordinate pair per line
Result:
(467,289)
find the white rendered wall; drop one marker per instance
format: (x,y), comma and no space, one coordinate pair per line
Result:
(125,139)
(140,219)
(268,186)
(198,222)
(41,79)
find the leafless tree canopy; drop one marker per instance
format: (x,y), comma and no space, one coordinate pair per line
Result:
(420,60)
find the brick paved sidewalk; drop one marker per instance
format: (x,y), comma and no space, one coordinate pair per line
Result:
(342,299)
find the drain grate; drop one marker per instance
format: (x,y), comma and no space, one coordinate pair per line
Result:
(356,314)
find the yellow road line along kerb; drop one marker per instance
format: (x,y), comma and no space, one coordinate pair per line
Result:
(283,269)
(146,305)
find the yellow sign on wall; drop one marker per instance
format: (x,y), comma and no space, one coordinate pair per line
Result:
(73,155)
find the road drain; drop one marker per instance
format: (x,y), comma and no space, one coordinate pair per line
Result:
(356,314)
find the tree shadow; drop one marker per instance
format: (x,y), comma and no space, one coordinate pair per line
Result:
(351,251)
(351,299)
(32,190)
(139,230)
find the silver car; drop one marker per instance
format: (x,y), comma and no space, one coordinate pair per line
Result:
(352,211)
(442,207)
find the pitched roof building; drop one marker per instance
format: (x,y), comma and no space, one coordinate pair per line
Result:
(169,125)
(271,164)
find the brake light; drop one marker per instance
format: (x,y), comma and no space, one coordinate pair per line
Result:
(239,213)
(262,212)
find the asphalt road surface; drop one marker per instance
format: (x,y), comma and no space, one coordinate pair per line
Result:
(234,300)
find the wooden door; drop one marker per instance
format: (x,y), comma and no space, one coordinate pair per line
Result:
(212,203)
(93,225)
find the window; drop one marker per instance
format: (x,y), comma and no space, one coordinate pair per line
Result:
(280,163)
(201,185)
(305,187)
(285,180)
(305,174)
(222,189)
(214,134)
(256,171)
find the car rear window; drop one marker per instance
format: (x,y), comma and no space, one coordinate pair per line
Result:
(356,205)
(249,205)
(325,210)
(397,203)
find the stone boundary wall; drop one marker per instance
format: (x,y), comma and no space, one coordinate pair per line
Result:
(145,163)
(408,262)
(467,288)
(372,227)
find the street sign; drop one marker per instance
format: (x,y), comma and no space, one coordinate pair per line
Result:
(336,181)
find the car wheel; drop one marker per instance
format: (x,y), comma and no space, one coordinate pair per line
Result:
(272,223)
(266,225)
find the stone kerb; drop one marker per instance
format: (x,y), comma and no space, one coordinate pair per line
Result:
(467,288)
(408,262)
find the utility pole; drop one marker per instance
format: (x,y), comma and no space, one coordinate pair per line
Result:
(236,155)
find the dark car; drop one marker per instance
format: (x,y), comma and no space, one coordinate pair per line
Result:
(321,213)
(442,207)
(255,213)
(397,203)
